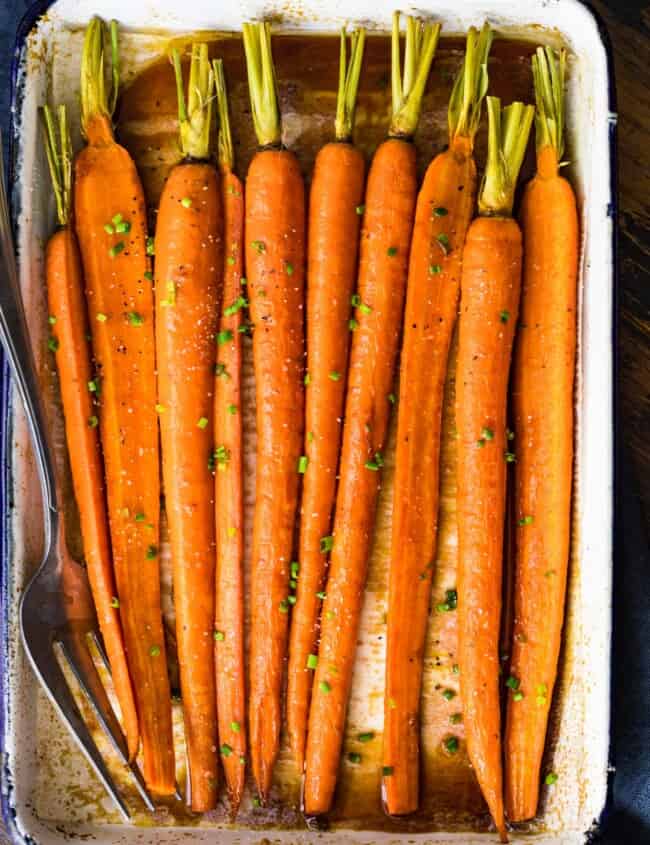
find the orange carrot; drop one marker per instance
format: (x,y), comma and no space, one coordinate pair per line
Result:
(229,608)
(385,241)
(544,365)
(490,286)
(334,219)
(444,212)
(111,226)
(69,321)
(275,258)
(188,275)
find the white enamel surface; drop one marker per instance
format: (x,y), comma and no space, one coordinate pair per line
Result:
(580,756)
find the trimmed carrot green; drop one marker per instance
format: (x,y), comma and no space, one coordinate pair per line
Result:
(336,192)
(275,259)
(385,241)
(543,376)
(67,308)
(229,606)
(445,208)
(188,283)
(107,185)
(490,284)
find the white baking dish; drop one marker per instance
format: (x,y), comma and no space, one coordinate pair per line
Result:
(48,792)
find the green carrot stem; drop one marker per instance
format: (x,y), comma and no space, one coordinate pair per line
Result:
(195,114)
(349,75)
(549,73)
(508,132)
(262,83)
(58,148)
(421,44)
(226,153)
(95,98)
(471,84)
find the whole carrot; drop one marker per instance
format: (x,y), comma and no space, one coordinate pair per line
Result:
(275,258)
(544,365)
(334,219)
(443,214)
(68,339)
(188,275)
(384,252)
(228,458)
(110,218)
(490,287)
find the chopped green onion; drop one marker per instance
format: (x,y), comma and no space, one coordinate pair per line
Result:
(321,594)
(123,227)
(225,750)
(288,266)
(219,636)
(186,202)
(230,260)
(510,457)
(451,744)
(518,696)
(202,423)
(52,344)
(487,434)
(284,606)
(151,246)
(140,517)
(154,651)
(116,249)
(224,337)
(387,771)
(376,464)
(354,757)
(109,229)
(365,309)
(324,687)
(334,375)
(434,269)
(51,319)
(151,552)
(504,316)
(258,246)
(93,422)
(312,661)
(303,462)
(101,318)
(115,602)
(456,718)
(295,568)
(148,275)
(135,319)
(448,694)
(116,219)
(353,324)
(368,736)
(235,726)
(240,302)
(360,209)
(550,779)
(307,379)
(440,212)
(327,543)
(391,251)
(93,386)
(232,409)
(392,398)
(513,683)
(220,369)
(526,520)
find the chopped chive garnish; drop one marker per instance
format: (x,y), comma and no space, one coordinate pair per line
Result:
(220,369)
(487,434)
(115,602)
(256,802)
(203,422)
(239,303)
(392,703)
(440,212)
(230,260)
(154,651)
(101,318)
(150,246)
(303,462)
(140,517)
(109,229)
(324,686)
(219,458)
(148,275)
(258,246)
(392,398)
(51,319)
(232,409)
(160,409)
(513,683)
(368,736)
(434,269)
(295,568)
(443,243)
(307,379)
(312,661)
(550,779)
(225,750)
(355,300)
(510,435)
(360,209)
(456,718)
(365,309)
(448,694)
(375,464)
(52,344)
(455,669)
(354,757)
(353,324)
(93,386)
(326,543)
(526,520)
(510,457)
(321,594)
(391,251)
(288,266)
(116,249)
(284,606)
(334,375)
(151,552)
(387,771)
(123,228)
(219,636)
(93,422)
(135,319)
(504,316)
(235,726)
(451,744)
(291,599)
(186,202)
(117,219)
(518,696)
(224,337)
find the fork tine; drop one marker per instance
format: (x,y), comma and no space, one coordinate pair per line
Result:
(58,692)
(83,668)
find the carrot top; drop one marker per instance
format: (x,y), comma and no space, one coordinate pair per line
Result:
(262,83)
(96,98)
(549,72)
(194,115)
(349,83)
(59,159)
(224,143)
(508,131)
(471,84)
(407,91)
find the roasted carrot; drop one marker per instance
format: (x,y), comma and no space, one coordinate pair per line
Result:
(68,339)
(384,252)
(443,214)
(543,374)
(229,607)
(334,219)
(275,258)
(110,218)
(188,281)
(489,302)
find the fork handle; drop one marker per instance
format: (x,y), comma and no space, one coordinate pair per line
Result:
(14,336)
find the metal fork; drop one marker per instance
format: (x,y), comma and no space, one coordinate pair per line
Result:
(56,611)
